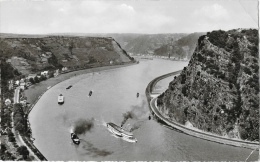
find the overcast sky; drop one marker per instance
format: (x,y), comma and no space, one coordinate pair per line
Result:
(122,16)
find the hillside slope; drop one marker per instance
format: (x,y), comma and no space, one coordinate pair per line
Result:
(184,47)
(48,52)
(218,91)
(147,43)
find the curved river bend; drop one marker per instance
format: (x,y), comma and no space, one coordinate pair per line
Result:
(114,94)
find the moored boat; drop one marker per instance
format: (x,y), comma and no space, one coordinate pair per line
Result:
(69,87)
(60,99)
(90,93)
(75,139)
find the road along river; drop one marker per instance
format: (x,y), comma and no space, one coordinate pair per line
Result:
(114,94)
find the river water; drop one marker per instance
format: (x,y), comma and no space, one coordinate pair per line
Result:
(114,94)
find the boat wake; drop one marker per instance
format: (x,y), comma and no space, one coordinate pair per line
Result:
(119,132)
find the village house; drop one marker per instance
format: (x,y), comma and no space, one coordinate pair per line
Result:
(44,60)
(32,45)
(48,53)
(22,84)
(64,69)
(17,83)
(8,61)
(45,73)
(7,102)
(56,73)
(23,102)
(10,82)
(31,76)
(24,63)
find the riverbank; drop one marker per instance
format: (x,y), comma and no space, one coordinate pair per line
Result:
(193,132)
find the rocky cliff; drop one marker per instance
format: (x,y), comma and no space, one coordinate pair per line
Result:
(45,52)
(218,91)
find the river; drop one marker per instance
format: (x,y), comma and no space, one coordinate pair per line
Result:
(114,94)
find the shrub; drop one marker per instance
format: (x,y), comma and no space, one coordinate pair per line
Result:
(11,139)
(201,58)
(247,70)
(32,80)
(36,79)
(198,73)
(184,90)
(230,85)
(183,79)
(218,38)
(22,150)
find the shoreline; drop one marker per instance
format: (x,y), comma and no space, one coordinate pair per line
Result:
(193,132)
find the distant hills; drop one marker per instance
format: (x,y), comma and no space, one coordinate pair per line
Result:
(32,53)
(181,48)
(178,45)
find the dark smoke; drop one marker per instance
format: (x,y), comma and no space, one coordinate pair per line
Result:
(127,115)
(136,126)
(138,112)
(82,126)
(93,151)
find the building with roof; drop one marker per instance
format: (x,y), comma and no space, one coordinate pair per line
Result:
(7,102)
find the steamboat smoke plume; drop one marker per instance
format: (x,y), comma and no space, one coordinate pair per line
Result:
(82,126)
(127,115)
(138,112)
(94,151)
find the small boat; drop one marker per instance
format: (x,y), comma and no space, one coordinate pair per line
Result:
(69,87)
(75,139)
(120,132)
(149,117)
(90,93)
(60,99)
(137,95)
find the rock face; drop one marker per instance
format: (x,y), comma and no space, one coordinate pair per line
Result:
(56,51)
(218,91)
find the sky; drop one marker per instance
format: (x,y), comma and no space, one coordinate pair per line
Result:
(126,16)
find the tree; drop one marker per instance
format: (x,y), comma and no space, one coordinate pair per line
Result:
(71,46)
(3,148)
(43,77)
(32,80)
(20,118)
(11,139)
(10,134)
(22,150)
(51,74)
(16,72)
(36,79)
